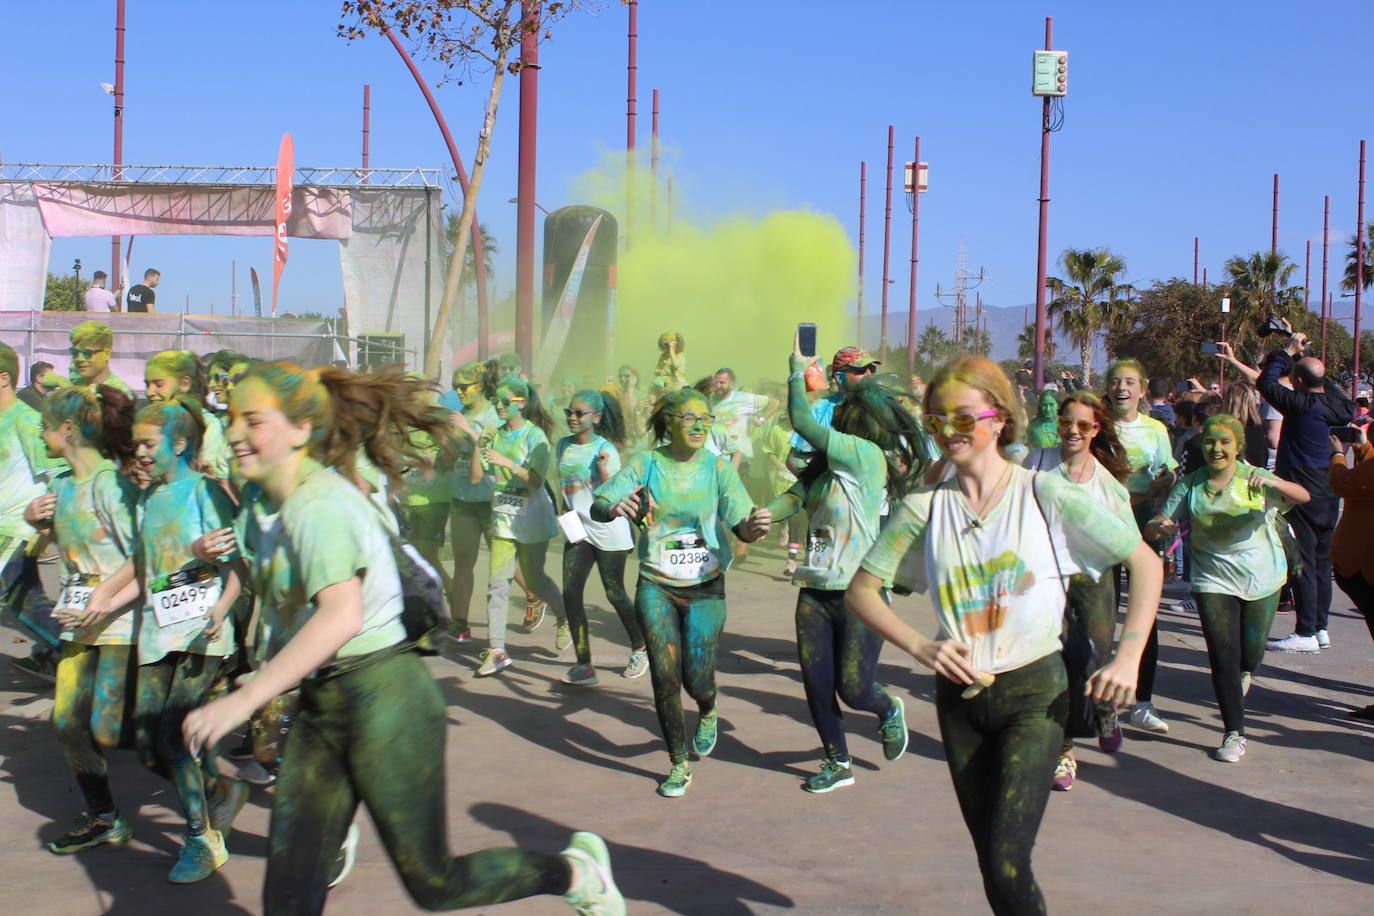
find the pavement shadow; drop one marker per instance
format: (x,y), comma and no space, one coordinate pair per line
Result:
(1347,848)
(678,884)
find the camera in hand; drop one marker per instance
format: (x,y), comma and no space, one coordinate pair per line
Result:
(1346,434)
(1209,347)
(1273,325)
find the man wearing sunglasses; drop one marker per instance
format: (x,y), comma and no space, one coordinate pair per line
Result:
(92,342)
(849,365)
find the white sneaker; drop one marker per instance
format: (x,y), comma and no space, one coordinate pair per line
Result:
(637,664)
(595,893)
(1144,718)
(1323,640)
(256,773)
(493,660)
(1295,643)
(1232,748)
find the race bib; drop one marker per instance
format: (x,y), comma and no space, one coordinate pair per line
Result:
(687,557)
(507,503)
(184,595)
(820,547)
(463,466)
(76,591)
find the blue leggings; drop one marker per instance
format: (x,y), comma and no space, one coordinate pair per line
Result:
(682,629)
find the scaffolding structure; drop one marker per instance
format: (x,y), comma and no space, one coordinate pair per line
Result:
(219,175)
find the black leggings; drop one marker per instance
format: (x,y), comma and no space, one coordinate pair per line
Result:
(343,749)
(1149,659)
(682,625)
(839,654)
(168,689)
(1001,747)
(610,564)
(89,711)
(1093,604)
(1237,632)
(1360,592)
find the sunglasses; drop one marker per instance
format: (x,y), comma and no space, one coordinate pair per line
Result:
(508,402)
(464,386)
(688,420)
(85,352)
(576,414)
(961,423)
(1083,426)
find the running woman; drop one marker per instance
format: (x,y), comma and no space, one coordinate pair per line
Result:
(173,372)
(685,498)
(993,542)
(470,508)
(185,631)
(90,511)
(311,535)
(586,459)
(516,455)
(1091,457)
(1238,563)
(843,490)
(1153,471)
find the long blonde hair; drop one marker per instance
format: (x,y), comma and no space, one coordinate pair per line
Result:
(1241,401)
(986,377)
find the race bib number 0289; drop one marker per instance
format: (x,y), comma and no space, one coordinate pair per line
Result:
(184,595)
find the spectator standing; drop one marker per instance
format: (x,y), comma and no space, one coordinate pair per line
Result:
(36,391)
(1160,408)
(141,297)
(98,298)
(1309,410)
(1351,557)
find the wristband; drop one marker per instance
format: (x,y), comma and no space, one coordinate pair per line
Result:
(796,374)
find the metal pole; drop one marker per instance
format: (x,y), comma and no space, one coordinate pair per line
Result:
(524,209)
(479,262)
(1326,243)
(1042,247)
(631,69)
(1307,278)
(1195,250)
(367,125)
(1274,232)
(1204,279)
(234,288)
(915,260)
(1359,267)
(118,133)
(887,246)
(653,164)
(863,197)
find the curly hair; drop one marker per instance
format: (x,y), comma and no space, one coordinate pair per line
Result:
(1106,445)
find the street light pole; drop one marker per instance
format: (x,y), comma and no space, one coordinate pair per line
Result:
(915,260)
(118,133)
(1326,243)
(1359,266)
(887,246)
(1195,251)
(525,185)
(1274,231)
(863,198)
(1042,247)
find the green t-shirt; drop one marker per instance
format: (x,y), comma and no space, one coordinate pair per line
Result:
(170,517)
(694,500)
(1147,450)
(1042,433)
(843,504)
(518,511)
(94,527)
(112,380)
(1235,549)
(326,532)
(24,467)
(463,488)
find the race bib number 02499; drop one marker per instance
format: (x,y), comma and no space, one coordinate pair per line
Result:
(184,595)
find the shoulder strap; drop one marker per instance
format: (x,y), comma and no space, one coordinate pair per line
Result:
(1054,551)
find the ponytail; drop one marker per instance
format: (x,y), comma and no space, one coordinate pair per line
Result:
(180,364)
(180,417)
(102,415)
(611,426)
(534,408)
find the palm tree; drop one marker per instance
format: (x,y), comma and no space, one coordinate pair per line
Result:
(1025,343)
(1348,283)
(1259,287)
(978,341)
(1091,300)
(932,344)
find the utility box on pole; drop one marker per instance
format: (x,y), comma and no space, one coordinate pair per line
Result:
(921,184)
(1050,73)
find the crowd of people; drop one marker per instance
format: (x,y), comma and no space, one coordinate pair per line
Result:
(210,569)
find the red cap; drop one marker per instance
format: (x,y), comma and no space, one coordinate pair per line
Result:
(852,358)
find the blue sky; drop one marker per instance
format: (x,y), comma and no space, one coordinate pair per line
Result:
(1177,117)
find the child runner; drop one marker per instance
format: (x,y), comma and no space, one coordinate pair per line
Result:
(843,489)
(1091,457)
(470,509)
(1238,563)
(1153,471)
(185,631)
(91,513)
(993,542)
(587,459)
(174,372)
(323,566)
(685,497)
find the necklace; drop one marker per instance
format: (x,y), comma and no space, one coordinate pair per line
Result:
(1080,477)
(987,500)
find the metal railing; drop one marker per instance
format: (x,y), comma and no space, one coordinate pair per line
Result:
(351,177)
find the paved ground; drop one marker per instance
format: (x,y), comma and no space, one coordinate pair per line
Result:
(1158,828)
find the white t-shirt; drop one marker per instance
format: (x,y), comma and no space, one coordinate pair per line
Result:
(736,413)
(843,508)
(576,467)
(1147,449)
(518,512)
(998,581)
(1105,488)
(99,299)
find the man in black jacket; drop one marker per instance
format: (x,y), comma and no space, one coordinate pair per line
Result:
(1309,411)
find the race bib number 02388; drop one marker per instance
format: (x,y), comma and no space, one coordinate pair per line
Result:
(184,595)
(688,557)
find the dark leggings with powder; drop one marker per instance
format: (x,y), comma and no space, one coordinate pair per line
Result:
(168,689)
(578,560)
(1237,633)
(90,711)
(682,627)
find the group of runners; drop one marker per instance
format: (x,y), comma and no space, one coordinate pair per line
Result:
(234,540)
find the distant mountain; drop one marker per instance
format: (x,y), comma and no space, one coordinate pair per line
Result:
(1004,325)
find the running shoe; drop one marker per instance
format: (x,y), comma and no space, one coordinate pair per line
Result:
(1146,719)
(679,778)
(1232,748)
(1364,715)
(199,858)
(1285,607)
(225,801)
(834,774)
(892,731)
(637,664)
(257,774)
(1244,683)
(41,666)
(348,854)
(595,893)
(534,612)
(459,632)
(1307,645)
(704,741)
(241,751)
(581,676)
(1109,736)
(91,831)
(1323,639)
(562,636)
(1065,771)
(493,660)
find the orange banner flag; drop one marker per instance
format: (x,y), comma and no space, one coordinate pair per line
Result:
(286,171)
